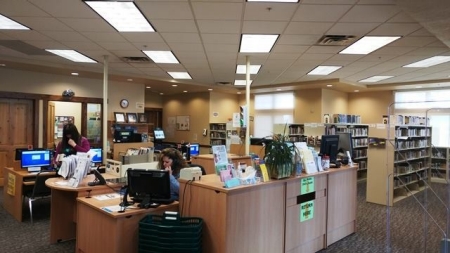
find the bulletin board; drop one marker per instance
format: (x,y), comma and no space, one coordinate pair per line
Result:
(60,121)
(183,123)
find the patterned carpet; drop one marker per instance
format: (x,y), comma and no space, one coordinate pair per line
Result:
(409,230)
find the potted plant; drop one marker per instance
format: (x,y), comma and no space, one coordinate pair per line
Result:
(280,156)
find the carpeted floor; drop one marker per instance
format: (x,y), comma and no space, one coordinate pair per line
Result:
(408,223)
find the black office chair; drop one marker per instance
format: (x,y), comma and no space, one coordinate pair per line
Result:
(201,167)
(40,190)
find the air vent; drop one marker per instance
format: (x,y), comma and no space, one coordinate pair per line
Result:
(136,59)
(223,83)
(336,40)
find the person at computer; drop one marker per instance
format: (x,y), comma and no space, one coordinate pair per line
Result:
(172,160)
(71,143)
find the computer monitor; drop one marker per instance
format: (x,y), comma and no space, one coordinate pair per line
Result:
(159,134)
(123,135)
(329,146)
(97,158)
(36,160)
(148,186)
(345,143)
(195,149)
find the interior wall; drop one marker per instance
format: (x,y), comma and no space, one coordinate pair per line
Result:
(308,106)
(69,109)
(333,102)
(153,100)
(222,106)
(196,106)
(370,105)
(134,93)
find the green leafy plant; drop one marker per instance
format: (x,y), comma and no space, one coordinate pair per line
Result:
(280,155)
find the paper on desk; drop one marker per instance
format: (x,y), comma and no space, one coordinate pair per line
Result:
(111,209)
(107,196)
(61,182)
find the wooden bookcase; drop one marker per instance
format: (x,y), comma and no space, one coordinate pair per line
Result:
(399,168)
(439,164)
(296,132)
(217,133)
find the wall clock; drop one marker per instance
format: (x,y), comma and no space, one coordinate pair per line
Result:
(124,103)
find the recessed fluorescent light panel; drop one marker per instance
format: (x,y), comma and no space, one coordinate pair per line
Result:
(242,69)
(257,43)
(241,82)
(435,60)
(123,16)
(71,55)
(324,70)
(161,56)
(375,79)
(9,24)
(179,75)
(368,44)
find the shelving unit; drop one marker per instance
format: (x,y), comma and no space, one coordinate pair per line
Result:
(439,164)
(218,134)
(360,134)
(403,163)
(296,132)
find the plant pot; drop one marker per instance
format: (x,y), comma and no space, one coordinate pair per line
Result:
(280,171)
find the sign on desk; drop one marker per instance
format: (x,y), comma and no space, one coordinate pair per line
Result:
(11,184)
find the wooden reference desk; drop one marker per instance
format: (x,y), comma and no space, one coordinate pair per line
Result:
(207,161)
(101,231)
(17,182)
(63,215)
(266,217)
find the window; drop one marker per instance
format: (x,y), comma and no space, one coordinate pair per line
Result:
(272,109)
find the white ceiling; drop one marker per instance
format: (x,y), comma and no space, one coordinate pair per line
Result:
(205,36)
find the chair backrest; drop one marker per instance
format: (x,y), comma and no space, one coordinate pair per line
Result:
(40,189)
(201,167)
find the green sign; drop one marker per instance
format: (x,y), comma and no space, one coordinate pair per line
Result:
(306,211)
(307,185)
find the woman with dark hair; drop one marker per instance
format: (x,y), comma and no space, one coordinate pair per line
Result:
(172,160)
(72,142)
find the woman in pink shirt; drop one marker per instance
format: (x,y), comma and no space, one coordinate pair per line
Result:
(71,143)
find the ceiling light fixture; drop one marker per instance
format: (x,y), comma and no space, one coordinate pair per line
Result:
(275,1)
(123,16)
(435,60)
(241,82)
(323,70)
(74,73)
(179,75)
(368,44)
(9,24)
(161,56)
(129,80)
(329,85)
(148,87)
(242,69)
(185,91)
(71,55)
(174,85)
(374,79)
(257,43)
(356,90)
(210,89)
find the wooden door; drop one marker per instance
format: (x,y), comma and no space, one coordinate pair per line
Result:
(51,125)
(16,130)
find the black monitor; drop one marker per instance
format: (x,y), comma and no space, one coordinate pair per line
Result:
(260,141)
(123,135)
(149,187)
(329,146)
(345,143)
(36,160)
(159,134)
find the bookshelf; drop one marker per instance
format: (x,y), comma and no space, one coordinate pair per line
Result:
(360,140)
(217,134)
(399,168)
(439,164)
(296,132)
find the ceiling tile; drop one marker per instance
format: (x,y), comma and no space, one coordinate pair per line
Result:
(324,49)
(152,46)
(221,48)
(66,8)
(370,13)
(80,45)
(263,27)
(181,37)
(356,29)
(308,27)
(165,10)
(298,39)
(104,36)
(221,38)
(26,35)
(289,48)
(411,41)
(117,46)
(65,36)
(269,11)
(170,26)
(183,47)
(88,25)
(21,9)
(322,13)
(392,29)
(225,26)
(142,38)
(43,23)
(217,11)
(401,17)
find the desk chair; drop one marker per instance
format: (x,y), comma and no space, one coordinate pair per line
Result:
(40,190)
(201,167)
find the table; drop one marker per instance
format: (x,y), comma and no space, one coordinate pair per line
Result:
(266,217)
(63,215)
(207,161)
(112,232)
(17,183)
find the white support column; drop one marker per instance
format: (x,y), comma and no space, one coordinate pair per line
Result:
(105,107)
(247,101)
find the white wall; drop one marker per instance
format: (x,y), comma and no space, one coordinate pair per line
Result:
(69,109)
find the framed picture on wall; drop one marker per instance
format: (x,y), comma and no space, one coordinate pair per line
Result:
(142,118)
(119,117)
(132,117)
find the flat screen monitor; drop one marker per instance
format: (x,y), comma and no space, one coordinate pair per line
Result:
(329,146)
(36,160)
(195,149)
(97,158)
(148,186)
(345,143)
(123,135)
(159,134)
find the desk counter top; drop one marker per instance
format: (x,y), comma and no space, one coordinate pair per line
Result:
(58,183)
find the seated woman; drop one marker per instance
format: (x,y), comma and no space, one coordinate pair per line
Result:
(172,160)
(71,143)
